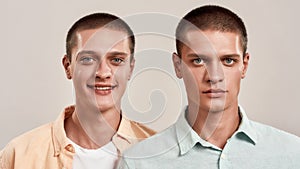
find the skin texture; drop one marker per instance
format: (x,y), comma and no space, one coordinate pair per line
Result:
(212,67)
(100,70)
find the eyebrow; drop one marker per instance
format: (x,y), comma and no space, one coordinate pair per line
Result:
(86,52)
(90,52)
(230,56)
(194,55)
(113,53)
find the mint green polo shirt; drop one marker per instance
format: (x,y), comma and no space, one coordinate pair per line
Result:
(252,146)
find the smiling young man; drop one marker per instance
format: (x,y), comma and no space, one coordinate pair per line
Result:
(92,133)
(214,131)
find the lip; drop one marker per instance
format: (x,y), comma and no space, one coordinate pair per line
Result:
(215,93)
(102,89)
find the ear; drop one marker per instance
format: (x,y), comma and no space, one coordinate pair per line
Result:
(177,65)
(132,63)
(245,65)
(66,63)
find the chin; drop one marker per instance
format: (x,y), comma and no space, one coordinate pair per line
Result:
(108,105)
(215,107)
(103,108)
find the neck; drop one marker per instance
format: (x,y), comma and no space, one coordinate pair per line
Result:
(90,128)
(214,127)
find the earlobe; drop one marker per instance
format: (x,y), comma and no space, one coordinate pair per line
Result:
(66,63)
(177,65)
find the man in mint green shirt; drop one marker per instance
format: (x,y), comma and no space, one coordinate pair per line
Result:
(213,131)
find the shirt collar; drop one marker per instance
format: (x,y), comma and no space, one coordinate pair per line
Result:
(187,138)
(129,133)
(60,140)
(246,127)
(126,135)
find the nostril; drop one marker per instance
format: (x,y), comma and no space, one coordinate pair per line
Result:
(215,80)
(212,81)
(103,75)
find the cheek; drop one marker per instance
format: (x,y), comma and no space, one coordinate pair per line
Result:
(192,78)
(121,75)
(82,74)
(233,80)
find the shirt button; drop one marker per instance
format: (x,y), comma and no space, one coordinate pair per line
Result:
(70,148)
(223,156)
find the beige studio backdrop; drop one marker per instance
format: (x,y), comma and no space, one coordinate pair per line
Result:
(34,89)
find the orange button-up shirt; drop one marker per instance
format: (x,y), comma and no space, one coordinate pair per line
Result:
(47,147)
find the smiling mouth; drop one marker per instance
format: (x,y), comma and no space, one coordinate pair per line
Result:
(102,87)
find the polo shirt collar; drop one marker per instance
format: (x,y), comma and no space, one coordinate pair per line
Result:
(246,127)
(187,138)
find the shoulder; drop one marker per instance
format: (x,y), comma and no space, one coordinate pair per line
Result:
(37,134)
(269,133)
(268,130)
(147,152)
(134,129)
(28,143)
(130,133)
(31,138)
(142,129)
(156,144)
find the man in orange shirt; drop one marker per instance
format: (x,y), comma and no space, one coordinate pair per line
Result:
(99,60)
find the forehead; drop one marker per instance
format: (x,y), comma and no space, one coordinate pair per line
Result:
(102,40)
(212,42)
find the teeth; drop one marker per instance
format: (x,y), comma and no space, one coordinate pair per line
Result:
(103,88)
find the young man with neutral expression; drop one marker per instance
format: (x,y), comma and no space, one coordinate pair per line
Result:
(214,131)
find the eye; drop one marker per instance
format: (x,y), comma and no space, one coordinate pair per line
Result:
(229,61)
(87,60)
(117,60)
(198,61)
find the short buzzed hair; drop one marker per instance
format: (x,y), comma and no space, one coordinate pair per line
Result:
(94,21)
(211,17)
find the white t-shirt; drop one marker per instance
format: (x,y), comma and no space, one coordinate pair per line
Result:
(104,157)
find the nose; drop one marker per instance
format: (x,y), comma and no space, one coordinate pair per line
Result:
(103,71)
(214,72)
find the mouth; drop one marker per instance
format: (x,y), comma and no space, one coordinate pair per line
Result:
(214,93)
(102,89)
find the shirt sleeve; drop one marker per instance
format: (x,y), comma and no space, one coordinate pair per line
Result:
(7,157)
(1,161)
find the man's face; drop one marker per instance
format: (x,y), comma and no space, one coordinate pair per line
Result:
(100,67)
(212,67)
